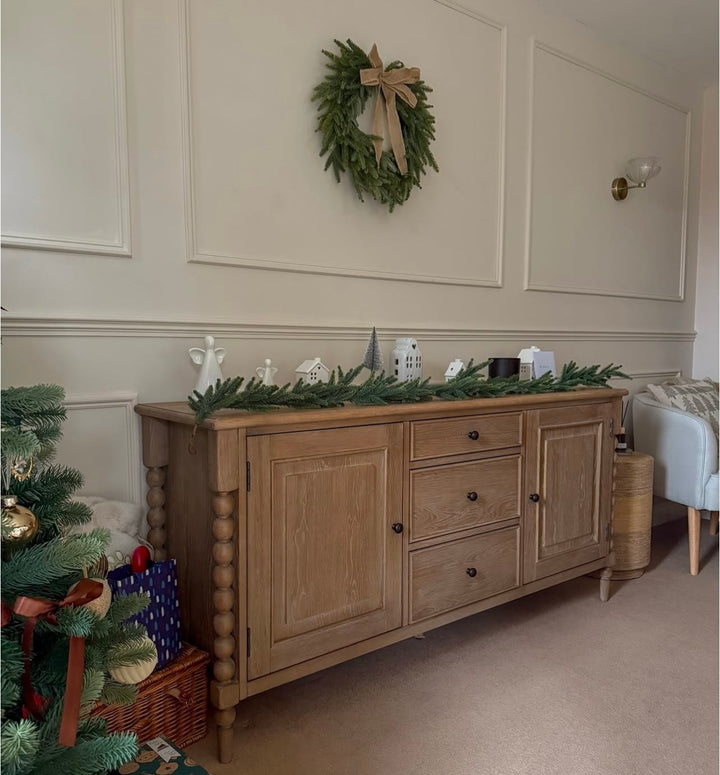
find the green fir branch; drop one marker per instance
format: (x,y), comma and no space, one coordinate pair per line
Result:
(115,693)
(125,606)
(20,746)
(35,570)
(126,655)
(381,389)
(12,670)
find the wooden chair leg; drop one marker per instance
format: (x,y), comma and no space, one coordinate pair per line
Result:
(694,540)
(713,523)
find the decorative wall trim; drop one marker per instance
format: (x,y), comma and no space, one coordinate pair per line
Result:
(528,285)
(502,29)
(650,376)
(125,402)
(196,255)
(15,326)
(123,246)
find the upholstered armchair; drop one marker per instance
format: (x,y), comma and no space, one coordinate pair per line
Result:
(685,449)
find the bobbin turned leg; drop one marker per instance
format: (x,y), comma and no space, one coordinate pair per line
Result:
(225,693)
(156,458)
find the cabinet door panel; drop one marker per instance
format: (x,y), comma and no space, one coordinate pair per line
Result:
(569,478)
(324,563)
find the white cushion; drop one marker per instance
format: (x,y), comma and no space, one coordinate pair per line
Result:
(699,397)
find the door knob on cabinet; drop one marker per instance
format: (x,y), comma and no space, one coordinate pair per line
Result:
(397,527)
(534,497)
(474,435)
(472,496)
(472,572)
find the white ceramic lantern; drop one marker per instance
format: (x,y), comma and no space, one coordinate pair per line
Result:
(407,359)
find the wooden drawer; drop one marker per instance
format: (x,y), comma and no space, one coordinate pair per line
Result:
(464,495)
(458,436)
(440,577)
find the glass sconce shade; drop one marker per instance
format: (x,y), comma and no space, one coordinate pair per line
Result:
(641,169)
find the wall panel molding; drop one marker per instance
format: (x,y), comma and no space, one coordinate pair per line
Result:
(126,434)
(536,46)
(122,247)
(195,253)
(37,326)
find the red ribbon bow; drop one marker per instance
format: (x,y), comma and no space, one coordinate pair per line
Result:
(34,609)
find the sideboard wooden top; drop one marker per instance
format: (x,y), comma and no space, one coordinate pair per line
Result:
(226,419)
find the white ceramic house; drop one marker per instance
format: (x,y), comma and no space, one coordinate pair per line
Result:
(527,370)
(312,371)
(407,359)
(454,369)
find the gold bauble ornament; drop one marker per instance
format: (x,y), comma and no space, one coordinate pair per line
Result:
(24,524)
(101,605)
(133,674)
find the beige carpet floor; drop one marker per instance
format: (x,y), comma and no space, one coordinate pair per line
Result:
(556,683)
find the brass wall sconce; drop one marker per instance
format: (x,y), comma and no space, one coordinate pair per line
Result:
(639,170)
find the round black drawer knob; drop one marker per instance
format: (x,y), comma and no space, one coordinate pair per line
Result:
(397,527)
(534,497)
(474,435)
(472,572)
(472,496)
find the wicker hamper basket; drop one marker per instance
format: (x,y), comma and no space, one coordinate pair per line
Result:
(171,702)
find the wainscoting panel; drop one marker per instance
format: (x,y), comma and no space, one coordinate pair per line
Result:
(64,144)
(101,439)
(586,124)
(248,169)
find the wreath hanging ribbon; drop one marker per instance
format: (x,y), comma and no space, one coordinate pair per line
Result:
(393,84)
(34,609)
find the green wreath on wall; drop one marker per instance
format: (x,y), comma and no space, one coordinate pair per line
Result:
(355,77)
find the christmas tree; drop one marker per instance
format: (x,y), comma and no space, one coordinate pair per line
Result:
(60,642)
(373,355)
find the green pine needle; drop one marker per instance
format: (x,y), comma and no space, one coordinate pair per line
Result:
(20,744)
(381,389)
(341,98)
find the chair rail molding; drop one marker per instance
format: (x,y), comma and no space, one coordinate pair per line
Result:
(128,433)
(40,326)
(121,247)
(529,285)
(196,254)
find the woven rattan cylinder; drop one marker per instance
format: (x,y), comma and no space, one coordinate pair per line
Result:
(632,520)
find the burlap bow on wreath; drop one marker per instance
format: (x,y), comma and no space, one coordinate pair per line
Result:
(392,83)
(354,78)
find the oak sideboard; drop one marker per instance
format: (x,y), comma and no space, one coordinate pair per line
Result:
(304,538)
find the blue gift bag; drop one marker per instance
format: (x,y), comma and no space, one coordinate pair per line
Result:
(161,618)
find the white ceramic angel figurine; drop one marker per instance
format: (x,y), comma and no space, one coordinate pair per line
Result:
(209,361)
(266,372)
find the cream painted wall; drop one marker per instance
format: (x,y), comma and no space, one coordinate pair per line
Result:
(705,359)
(162,181)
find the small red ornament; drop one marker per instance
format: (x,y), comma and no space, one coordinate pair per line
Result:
(140,559)
(39,706)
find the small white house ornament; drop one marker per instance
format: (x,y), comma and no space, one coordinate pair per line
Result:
(209,361)
(454,369)
(526,362)
(266,373)
(407,359)
(312,371)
